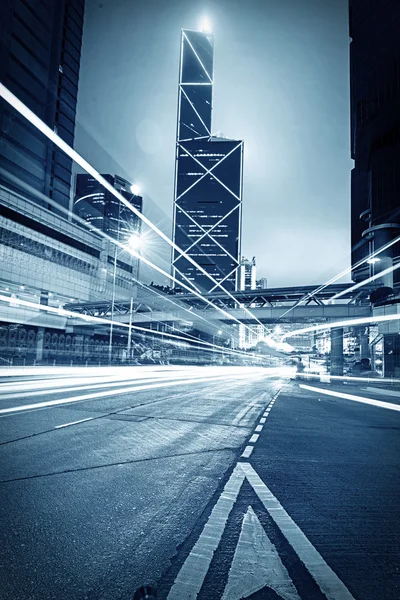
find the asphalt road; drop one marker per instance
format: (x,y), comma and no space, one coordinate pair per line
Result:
(97,493)
(229,485)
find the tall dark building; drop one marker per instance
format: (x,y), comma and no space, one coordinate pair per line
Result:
(102,209)
(39,63)
(375,133)
(208,176)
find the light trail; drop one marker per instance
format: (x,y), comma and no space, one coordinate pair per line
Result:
(342,274)
(346,378)
(344,323)
(365,281)
(254,373)
(363,400)
(94,229)
(49,133)
(62,312)
(142,258)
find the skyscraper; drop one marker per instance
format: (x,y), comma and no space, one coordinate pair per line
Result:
(375,134)
(208,176)
(40,49)
(247,274)
(102,209)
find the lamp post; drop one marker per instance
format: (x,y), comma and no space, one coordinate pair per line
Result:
(214,336)
(110,342)
(134,243)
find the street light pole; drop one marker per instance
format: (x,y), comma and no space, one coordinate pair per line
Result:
(134,242)
(130,330)
(110,343)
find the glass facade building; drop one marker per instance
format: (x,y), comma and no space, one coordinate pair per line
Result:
(375,134)
(40,51)
(208,177)
(103,210)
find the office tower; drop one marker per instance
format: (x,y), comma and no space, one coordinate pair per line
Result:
(247,274)
(208,177)
(262,283)
(40,50)
(375,135)
(101,208)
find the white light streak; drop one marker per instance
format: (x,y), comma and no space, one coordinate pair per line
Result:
(344,323)
(136,388)
(39,124)
(378,403)
(365,281)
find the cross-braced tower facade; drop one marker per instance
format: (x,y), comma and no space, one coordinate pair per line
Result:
(208,177)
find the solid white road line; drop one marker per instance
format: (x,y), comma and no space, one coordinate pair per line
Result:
(247,452)
(74,423)
(190,578)
(254,438)
(378,403)
(327,580)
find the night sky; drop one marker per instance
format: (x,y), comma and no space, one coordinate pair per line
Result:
(281,83)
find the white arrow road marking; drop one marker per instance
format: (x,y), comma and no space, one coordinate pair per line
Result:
(256,564)
(327,580)
(190,578)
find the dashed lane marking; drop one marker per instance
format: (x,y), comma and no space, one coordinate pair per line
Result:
(254,438)
(74,423)
(263,420)
(259,428)
(247,452)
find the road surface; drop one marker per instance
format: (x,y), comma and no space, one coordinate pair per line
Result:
(211,483)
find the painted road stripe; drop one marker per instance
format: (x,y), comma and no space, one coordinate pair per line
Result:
(263,420)
(259,428)
(378,403)
(247,452)
(327,580)
(190,578)
(82,398)
(256,564)
(74,423)
(254,438)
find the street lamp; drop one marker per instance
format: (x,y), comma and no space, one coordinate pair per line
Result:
(214,336)
(133,242)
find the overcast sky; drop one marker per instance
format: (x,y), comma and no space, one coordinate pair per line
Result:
(281,78)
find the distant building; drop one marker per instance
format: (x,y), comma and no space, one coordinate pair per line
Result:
(247,274)
(375,134)
(40,51)
(101,208)
(208,177)
(262,283)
